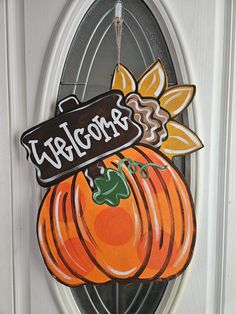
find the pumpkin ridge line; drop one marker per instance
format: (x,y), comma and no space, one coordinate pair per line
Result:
(64,209)
(86,226)
(73,272)
(194,228)
(171,243)
(160,212)
(47,244)
(53,274)
(135,198)
(182,214)
(52,197)
(64,212)
(149,231)
(92,258)
(49,193)
(194,232)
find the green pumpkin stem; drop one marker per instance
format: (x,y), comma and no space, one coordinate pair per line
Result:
(113,185)
(133,167)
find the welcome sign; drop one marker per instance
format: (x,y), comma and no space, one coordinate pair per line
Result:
(81,136)
(116,203)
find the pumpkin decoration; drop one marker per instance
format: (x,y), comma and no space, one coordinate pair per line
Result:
(150,235)
(128,216)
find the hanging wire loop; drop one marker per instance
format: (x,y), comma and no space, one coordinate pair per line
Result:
(118,22)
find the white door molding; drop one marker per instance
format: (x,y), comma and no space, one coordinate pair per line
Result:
(6,245)
(225,294)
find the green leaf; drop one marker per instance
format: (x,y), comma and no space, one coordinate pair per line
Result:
(111,188)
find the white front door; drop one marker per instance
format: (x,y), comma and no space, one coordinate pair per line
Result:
(35,40)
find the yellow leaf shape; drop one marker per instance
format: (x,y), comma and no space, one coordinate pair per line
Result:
(177,98)
(181,140)
(153,81)
(123,80)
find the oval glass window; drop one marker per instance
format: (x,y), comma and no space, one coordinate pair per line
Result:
(87,73)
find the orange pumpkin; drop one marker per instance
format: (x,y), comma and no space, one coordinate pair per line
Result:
(148,236)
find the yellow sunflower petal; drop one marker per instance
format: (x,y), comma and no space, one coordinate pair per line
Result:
(123,80)
(180,141)
(153,81)
(176,99)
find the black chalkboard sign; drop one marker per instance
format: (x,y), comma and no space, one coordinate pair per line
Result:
(77,138)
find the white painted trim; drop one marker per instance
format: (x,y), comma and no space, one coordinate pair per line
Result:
(6,247)
(20,189)
(225,276)
(229,275)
